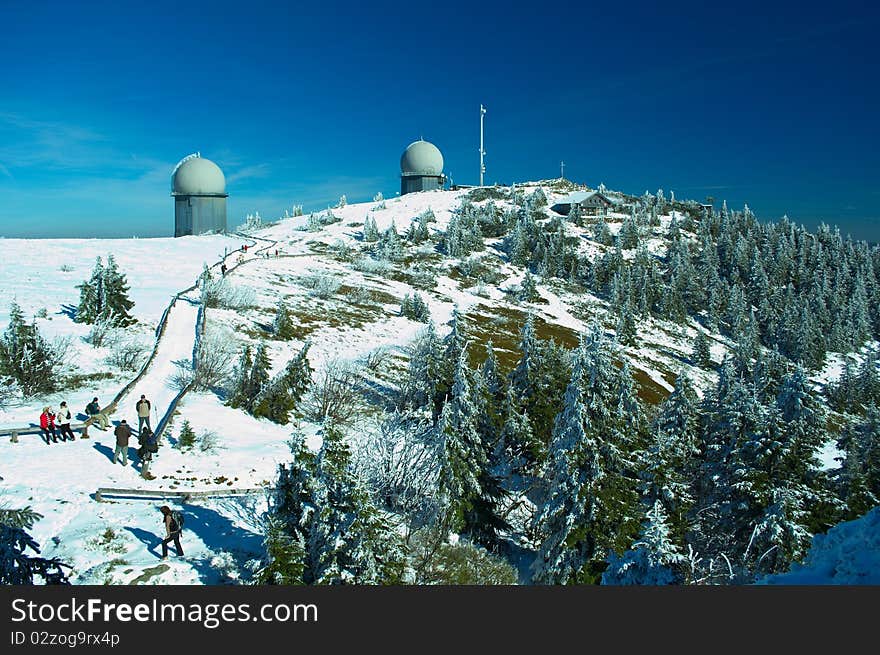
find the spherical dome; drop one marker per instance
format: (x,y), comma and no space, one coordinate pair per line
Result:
(421,158)
(198,177)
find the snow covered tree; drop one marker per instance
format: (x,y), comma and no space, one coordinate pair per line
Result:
(415,307)
(371,232)
(91,296)
(187,437)
(654,559)
(348,540)
(116,303)
(240,391)
(423,376)
(17,567)
(528,291)
(591,503)
(463,456)
(283,327)
(860,473)
(26,357)
(701,353)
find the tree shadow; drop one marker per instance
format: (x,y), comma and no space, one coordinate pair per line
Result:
(218,533)
(69,311)
(149,539)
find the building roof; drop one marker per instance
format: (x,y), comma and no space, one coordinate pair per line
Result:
(197,176)
(578,197)
(421,158)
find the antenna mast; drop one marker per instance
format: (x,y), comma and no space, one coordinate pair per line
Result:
(562,170)
(482,152)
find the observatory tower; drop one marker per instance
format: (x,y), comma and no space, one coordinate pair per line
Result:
(421,168)
(199,190)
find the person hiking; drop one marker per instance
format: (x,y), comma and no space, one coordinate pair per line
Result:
(223,269)
(93,409)
(148,445)
(172,521)
(123,434)
(47,425)
(143,407)
(63,417)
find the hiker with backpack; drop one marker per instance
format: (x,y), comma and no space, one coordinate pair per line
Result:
(47,425)
(173,521)
(123,434)
(143,407)
(63,417)
(149,445)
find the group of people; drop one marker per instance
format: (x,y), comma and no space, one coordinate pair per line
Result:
(56,424)
(147,440)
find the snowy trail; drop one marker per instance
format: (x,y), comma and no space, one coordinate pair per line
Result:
(176,345)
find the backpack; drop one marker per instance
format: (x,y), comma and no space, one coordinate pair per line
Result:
(176,521)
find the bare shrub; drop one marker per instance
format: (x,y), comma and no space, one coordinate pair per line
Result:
(322,285)
(372,266)
(377,358)
(126,352)
(335,395)
(220,292)
(361,296)
(209,442)
(399,464)
(101,331)
(214,359)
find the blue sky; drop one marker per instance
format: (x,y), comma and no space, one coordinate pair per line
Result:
(771,105)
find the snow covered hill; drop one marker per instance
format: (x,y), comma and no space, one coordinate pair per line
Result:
(343,302)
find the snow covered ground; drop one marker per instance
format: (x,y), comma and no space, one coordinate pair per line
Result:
(241,452)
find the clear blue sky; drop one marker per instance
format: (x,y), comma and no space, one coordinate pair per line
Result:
(750,102)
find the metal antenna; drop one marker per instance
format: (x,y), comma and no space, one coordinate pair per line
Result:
(482,152)
(562,170)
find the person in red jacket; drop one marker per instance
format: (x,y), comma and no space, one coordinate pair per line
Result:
(47,425)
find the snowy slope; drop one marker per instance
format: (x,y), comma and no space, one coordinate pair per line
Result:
(60,480)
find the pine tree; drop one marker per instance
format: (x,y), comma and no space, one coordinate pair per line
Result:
(654,559)
(116,303)
(258,377)
(701,354)
(240,391)
(371,232)
(348,540)
(860,442)
(282,326)
(463,457)
(26,357)
(424,370)
(591,501)
(91,296)
(528,290)
(187,437)
(17,567)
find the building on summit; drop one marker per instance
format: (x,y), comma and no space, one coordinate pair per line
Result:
(199,190)
(421,168)
(589,202)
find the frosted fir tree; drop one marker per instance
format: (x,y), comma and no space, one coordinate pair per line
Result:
(371,232)
(17,566)
(492,379)
(348,539)
(282,326)
(414,307)
(860,475)
(654,559)
(390,244)
(116,304)
(281,395)
(528,291)
(26,357)
(186,439)
(462,454)
(91,296)
(626,325)
(628,238)
(701,353)
(516,447)
(591,503)
(602,233)
(424,373)
(523,378)
(342,202)
(239,390)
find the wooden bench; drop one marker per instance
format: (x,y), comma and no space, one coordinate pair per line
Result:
(183,495)
(13,433)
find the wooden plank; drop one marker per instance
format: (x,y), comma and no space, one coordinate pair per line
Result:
(104,492)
